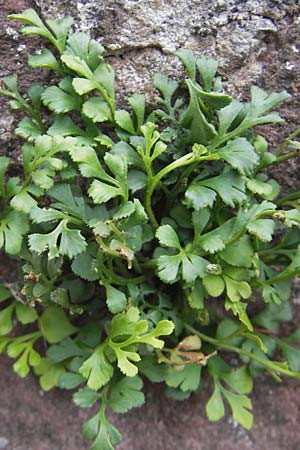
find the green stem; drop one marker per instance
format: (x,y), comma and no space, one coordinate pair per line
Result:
(269,365)
(185,160)
(180,184)
(289,197)
(280,159)
(287,141)
(107,249)
(283,158)
(283,276)
(33,113)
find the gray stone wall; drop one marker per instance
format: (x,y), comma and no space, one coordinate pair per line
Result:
(255,42)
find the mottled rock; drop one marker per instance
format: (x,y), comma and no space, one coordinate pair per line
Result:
(256,42)
(142,34)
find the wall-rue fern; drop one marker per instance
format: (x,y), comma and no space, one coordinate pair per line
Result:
(128,222)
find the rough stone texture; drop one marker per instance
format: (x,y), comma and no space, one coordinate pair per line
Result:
(256,42)
(140,35)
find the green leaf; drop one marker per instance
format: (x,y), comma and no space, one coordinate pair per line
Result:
(96,109)
(167,236)
(6,324)
(260,103)
(55,325)
(188,59)
(107,438)
(138,104)
(70,380)
(259,187)
(239,253)
(118,166)
(105,75)
(212,243)
(131,155)
(4,162)
(45,59)
(215,407)
(177,394)
(271,317)
(34,25)
(291,354)
(128,324)
(65,349)
(25,314)
(226,328)
(88,162)
(165,85)
(124,361)
(124,121)
(227,116)
(4,294)
(83,266)
(136,180)
(187,378)
(28,129)
(262,228)
(124,211)
(72,242)
(35,93)
(60,29)
(207,68)
(214,100)
(90,428)
(229,186)
(200,220)
(116,300)
(43,178)
(240,405)
(85,398)
(12,229)
(196,296)
(40,215)
(168,267)
(154,372)
(192,267)
(50,378)
(77,65)
(199,196)
(60,297)
(126,394)
(59,101)
(21,366)
(236,289)
(83,86)
(240,380)
(200,130)
(214,285)
(96,369)
(87,49)
(239,309)
(240,155)
(64,126)
(102,193)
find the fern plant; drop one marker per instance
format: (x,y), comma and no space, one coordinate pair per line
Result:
(144,235)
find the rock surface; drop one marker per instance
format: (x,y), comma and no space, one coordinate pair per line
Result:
(256,42)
